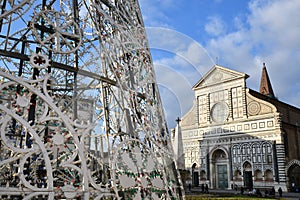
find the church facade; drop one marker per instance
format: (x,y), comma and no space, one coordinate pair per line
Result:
(235,136)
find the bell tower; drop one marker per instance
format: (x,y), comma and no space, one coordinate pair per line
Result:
(265,83)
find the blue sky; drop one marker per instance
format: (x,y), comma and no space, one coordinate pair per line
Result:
(188,37)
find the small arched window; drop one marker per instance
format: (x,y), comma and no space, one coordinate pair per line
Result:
(202,175)
(269,175)
(237,175)
(258,176)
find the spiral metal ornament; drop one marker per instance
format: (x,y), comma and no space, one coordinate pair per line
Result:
(80,112)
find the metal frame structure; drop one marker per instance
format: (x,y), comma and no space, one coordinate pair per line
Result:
(80,112)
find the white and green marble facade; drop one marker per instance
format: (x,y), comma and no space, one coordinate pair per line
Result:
(229,128)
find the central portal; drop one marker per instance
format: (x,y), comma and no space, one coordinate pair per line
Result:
(219,166)
(222,176)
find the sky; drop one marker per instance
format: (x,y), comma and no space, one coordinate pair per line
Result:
(187,38)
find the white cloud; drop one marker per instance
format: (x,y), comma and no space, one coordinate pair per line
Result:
(152,15)
(176,83)
(154,11)
(186,51)
(272,36)
(215,26)
(176,73)
(269,33)
(194,54)
(277,19)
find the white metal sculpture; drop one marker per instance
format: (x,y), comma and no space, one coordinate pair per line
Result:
(80,112)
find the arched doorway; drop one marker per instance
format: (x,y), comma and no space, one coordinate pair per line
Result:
(247,175)
(219,162)
(195,175)
(294,177)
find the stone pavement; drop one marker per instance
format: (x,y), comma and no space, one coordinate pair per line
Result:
(217,192)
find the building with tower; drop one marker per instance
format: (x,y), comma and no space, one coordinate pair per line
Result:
(80,111)
(235,136)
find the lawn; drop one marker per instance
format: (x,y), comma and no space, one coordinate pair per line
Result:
(195,197)
(226,196)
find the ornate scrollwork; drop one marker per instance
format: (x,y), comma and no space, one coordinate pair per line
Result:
(59,28)
(80,114)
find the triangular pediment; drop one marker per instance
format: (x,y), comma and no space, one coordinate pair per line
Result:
(217,75)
